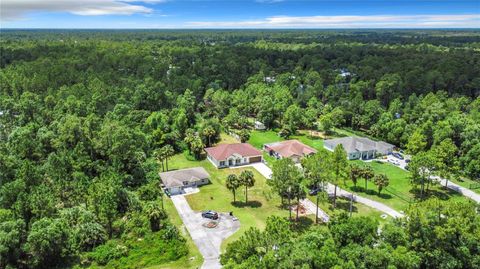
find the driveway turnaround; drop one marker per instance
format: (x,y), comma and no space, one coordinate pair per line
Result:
(207,240)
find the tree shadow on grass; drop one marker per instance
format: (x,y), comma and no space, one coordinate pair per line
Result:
(343,203)
(252,204)
(302,224)
(442,194)
(382,195)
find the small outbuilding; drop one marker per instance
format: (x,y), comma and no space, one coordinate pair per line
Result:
(175,181)
(259,125)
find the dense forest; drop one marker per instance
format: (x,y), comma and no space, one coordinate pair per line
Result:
(86,117)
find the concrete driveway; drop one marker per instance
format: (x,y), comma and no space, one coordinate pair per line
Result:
(208,241)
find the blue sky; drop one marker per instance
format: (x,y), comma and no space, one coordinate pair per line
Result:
(239,14)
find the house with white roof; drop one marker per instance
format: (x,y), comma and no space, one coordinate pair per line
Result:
(360,147)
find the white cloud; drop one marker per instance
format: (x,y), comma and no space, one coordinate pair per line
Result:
(366,21)
(17,9)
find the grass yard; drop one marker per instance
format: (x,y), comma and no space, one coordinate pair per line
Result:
(398,194)
(343,206)
(467,183)
(259,138)
(262,202)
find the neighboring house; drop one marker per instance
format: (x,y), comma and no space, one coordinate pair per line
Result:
(259,126)
(292,149)
(226,155)
(175,181)
(360,147)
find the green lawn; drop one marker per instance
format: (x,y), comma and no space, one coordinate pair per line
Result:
(259,138)
(466,182)
(398,194)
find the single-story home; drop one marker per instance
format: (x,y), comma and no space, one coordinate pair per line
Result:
(360,147)
(175,181)
(259,125)
(226,155)
(292,149)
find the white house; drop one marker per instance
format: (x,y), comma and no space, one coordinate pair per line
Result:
(360,147)
(175,181)
(226,155)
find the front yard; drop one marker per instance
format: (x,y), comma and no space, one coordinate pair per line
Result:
(215,196)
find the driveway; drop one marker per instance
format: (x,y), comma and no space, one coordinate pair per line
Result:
(260,167)
(208,241)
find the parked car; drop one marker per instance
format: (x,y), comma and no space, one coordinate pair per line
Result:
(210,214)
(397,155)
(406,167)
(314,192)
(407,160)
(167,192)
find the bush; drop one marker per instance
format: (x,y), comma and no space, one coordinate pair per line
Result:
(110,251)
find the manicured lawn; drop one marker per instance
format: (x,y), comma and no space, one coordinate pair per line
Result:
(398,194)
(259,138)
(262,202)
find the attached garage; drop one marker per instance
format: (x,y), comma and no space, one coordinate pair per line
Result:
(175,181)
(255,159)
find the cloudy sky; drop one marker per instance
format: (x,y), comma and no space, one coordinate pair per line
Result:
(239,14)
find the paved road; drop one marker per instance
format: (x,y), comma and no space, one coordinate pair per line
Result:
(208,241)
(371,203)
(462,190)
(368,202)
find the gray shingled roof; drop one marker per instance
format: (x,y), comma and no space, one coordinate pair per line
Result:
(177,177)
(353,144)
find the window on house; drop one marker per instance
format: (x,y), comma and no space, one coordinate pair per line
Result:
(222,163)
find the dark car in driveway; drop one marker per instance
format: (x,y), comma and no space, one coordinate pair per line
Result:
(397,155)
(210,214)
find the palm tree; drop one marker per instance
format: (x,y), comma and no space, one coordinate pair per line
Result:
(155,214)
(381,181)
(232,184)
(160,156)
(355,173)
(248,180)
(168,152)
(367,174)
(209,132)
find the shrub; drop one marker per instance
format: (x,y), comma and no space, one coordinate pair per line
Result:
(110,251)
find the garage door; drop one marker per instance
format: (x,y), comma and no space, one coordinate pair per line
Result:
(255,159)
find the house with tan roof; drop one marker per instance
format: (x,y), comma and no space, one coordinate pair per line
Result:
(227,155)
(360,147)
(174,182)
(292,149)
